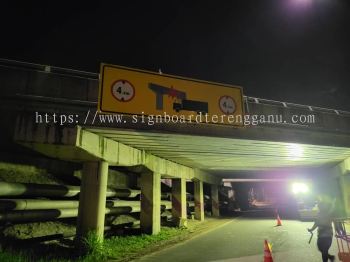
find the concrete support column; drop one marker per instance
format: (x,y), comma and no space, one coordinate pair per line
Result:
(150,203)
(215,200)
(342,173)
(198,200)
(92,202)
(178,199)
(344,182)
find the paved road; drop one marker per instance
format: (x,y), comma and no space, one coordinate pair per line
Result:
(242,240)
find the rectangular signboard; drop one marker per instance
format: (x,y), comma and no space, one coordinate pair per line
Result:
(137,92)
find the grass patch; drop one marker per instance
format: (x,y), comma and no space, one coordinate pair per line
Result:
(118,249)
(18,173)
(115,248)
(15,256)
(124,248)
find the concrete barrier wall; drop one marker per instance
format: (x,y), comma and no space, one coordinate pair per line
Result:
(28,82)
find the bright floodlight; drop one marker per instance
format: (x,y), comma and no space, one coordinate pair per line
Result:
(295,151)
(299,188)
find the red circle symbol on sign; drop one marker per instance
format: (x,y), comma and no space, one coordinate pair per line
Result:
(227,105)
(123,90)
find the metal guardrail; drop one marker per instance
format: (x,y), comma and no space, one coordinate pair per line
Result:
(95,76)
(48,69)
(262,101)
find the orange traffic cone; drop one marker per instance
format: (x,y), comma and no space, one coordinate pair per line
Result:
(279,222)
(267,252)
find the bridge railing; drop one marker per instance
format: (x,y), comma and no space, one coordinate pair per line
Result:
(30,82)
(255,100)
(47,69)
(299,116)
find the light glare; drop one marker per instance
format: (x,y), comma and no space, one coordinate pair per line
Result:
(295,151)
(300,188)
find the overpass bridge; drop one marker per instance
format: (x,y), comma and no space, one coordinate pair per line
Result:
(203,153)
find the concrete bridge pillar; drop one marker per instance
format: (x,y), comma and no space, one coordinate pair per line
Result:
(344,182)
(150,203)
(198,200)
(342,172)
(178,199)
(215,200)
(92,202)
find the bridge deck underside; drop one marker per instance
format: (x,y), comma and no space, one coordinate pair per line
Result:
(226,154)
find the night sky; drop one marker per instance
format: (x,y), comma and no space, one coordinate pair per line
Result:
(289,50)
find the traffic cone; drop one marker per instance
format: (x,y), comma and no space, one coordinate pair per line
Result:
(279,222)
(267,252)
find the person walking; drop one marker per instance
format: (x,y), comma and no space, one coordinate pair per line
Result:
(324,227)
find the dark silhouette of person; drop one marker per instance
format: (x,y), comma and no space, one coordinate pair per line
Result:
(324,227)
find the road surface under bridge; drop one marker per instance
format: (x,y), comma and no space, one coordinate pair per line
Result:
(242,240)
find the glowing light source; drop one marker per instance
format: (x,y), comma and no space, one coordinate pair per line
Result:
(295,151)
(298,188)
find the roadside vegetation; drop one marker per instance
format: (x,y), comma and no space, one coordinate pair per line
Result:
(16,246)
(118,249)
(16,243)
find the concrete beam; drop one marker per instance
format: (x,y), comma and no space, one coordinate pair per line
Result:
(77,144)
(245,180)
(174,170)
(150,203)
(198,200)
(178,199)
(215,201)
(342,168)
(92,202)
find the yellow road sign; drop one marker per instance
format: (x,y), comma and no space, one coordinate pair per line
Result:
(137,92)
